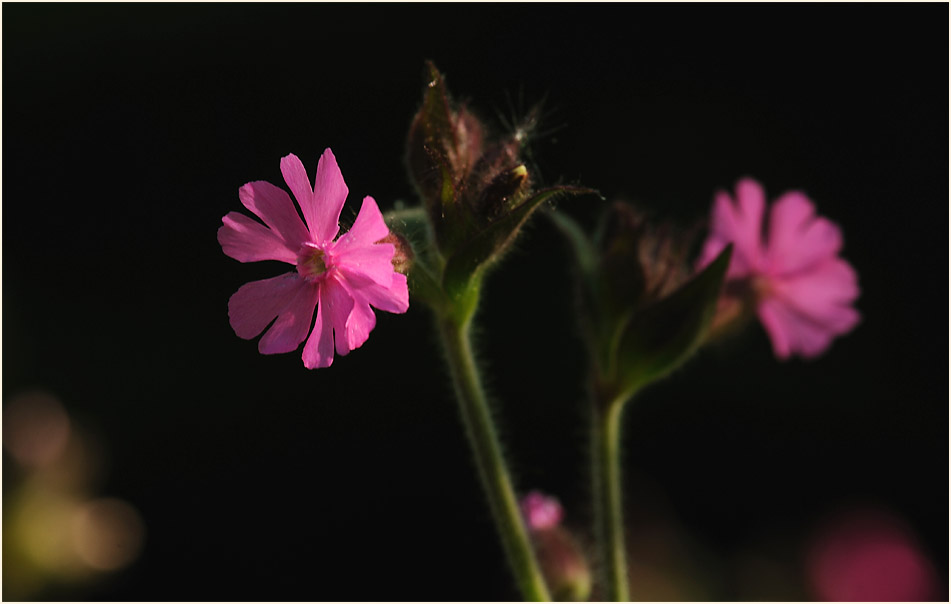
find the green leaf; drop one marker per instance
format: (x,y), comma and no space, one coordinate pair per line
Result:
(472,256)
(659,338)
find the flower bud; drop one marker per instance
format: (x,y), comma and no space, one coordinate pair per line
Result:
(641,314)
(442,146)
(498,158)
(641,263)
(504,192)
(466,145)
(540,511)
(477,192)
(559,554)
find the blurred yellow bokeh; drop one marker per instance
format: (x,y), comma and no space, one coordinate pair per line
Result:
(57,531)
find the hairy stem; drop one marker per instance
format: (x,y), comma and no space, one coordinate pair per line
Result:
(609,521)
(488,453)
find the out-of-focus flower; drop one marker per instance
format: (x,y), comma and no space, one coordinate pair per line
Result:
(869,556)
(541,511)
(562,561)
(107,533)
(341,278)
(58,535)
(802,291)
(35,429)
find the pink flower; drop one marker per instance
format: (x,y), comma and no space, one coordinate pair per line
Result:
(540,511)
(341,278)
(802,290)
(869,555)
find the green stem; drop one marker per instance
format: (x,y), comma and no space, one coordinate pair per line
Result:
(606,471)
(488,453)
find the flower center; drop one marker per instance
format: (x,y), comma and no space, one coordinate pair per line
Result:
(312,262)
(761,288)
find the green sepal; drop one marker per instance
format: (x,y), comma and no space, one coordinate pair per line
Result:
(423,285)
(622,281)
(660,337)
(584,251)
(487,244)
(426,151)
(585,255)
(443,144)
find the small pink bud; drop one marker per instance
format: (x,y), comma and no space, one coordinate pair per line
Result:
(560,556)
(540,511)
(564,565)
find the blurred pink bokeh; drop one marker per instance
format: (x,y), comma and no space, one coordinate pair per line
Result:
(871,556)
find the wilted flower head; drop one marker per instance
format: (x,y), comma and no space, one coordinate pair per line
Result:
(341,278)
(793,276)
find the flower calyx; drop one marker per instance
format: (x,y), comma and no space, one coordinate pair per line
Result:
(642,315)
(477,191)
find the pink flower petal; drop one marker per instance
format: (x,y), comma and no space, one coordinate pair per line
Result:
(391,298)
(797,238)
(822,292)
(319,349)
(773,320)
(257,303)
(368,228)
(821,298)
(330,192)
(274,206)
(361,320)
(792,332)
(246,240)
(752,205)
(359,324)
(373,261)
(741,224)
(297,180)
(293,322)
(841,319)
(339,303)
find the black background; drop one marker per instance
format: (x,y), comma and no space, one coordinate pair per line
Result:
(128,129)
